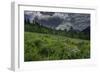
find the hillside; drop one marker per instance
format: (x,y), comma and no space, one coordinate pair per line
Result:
(36,27)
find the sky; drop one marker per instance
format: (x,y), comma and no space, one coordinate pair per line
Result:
(59,20)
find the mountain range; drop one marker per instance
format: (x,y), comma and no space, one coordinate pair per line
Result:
(59,20)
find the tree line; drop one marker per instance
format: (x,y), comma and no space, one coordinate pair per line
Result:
(36,27)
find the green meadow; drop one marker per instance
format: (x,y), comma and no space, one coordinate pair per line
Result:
(41,46)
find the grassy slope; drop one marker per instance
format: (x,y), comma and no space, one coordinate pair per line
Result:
(51,47)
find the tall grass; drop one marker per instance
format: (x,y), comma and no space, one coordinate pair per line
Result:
(51,47)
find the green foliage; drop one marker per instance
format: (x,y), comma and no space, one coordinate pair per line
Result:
(40,46)
(36,27)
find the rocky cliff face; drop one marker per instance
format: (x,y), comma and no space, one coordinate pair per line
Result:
(80,21)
